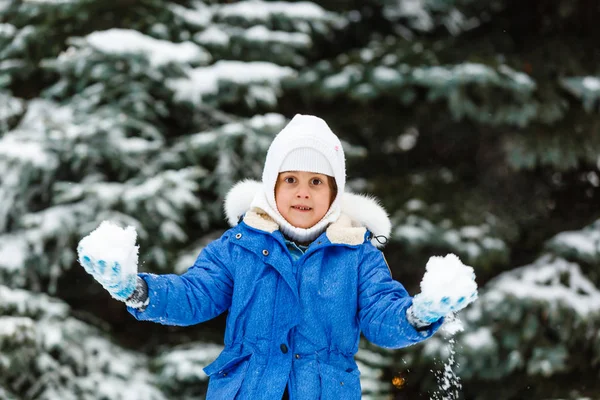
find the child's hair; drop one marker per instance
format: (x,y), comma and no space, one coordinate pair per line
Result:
(333,187)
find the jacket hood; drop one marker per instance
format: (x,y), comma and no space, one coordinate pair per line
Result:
(306,143)
(359,213)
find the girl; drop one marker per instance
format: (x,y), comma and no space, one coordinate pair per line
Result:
(299,273)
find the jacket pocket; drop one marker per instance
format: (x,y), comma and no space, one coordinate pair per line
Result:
(226,374)
(339,384)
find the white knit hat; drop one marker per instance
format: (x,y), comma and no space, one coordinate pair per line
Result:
(306,159)
(305,144)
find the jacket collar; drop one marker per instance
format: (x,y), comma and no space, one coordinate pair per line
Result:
(360,213)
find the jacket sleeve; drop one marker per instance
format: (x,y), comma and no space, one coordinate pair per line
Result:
(200,294)
(382,305)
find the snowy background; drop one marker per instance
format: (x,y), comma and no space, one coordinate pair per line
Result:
(475,122)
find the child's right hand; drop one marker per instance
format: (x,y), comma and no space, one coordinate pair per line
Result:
(109,254)
(110,275)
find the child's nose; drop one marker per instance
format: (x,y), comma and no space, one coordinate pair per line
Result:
(303,192)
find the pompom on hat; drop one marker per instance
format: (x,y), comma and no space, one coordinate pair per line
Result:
(306,143)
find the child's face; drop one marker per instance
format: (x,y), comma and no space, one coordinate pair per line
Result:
(302,198)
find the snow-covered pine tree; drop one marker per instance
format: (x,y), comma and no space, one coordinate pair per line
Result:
(49,354)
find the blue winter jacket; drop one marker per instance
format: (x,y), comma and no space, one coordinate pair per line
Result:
(294,323)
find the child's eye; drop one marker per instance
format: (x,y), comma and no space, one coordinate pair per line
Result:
(289,179)
(316,181)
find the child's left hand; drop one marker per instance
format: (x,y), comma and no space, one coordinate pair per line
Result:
(447,286)
(430,310)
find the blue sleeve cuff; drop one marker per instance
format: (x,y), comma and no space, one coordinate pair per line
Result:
(139,299)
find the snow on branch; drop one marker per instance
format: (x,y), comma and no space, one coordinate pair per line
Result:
(209,84)
(182,366)
(10,107)
(262,11)
(158,52)
(554,281)
(586,89)
(580,246)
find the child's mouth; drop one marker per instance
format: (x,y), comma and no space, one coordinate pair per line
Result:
(301,208)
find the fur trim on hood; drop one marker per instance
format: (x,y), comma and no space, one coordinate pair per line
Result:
(359,213)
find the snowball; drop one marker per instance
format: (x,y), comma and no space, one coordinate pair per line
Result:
(112,243)
(448,277)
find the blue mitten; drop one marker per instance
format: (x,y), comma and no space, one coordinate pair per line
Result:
(120,285)
(448,286)
(110,255)
(429,310)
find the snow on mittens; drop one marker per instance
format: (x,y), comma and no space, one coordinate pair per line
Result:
(110,255)
(447,286)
